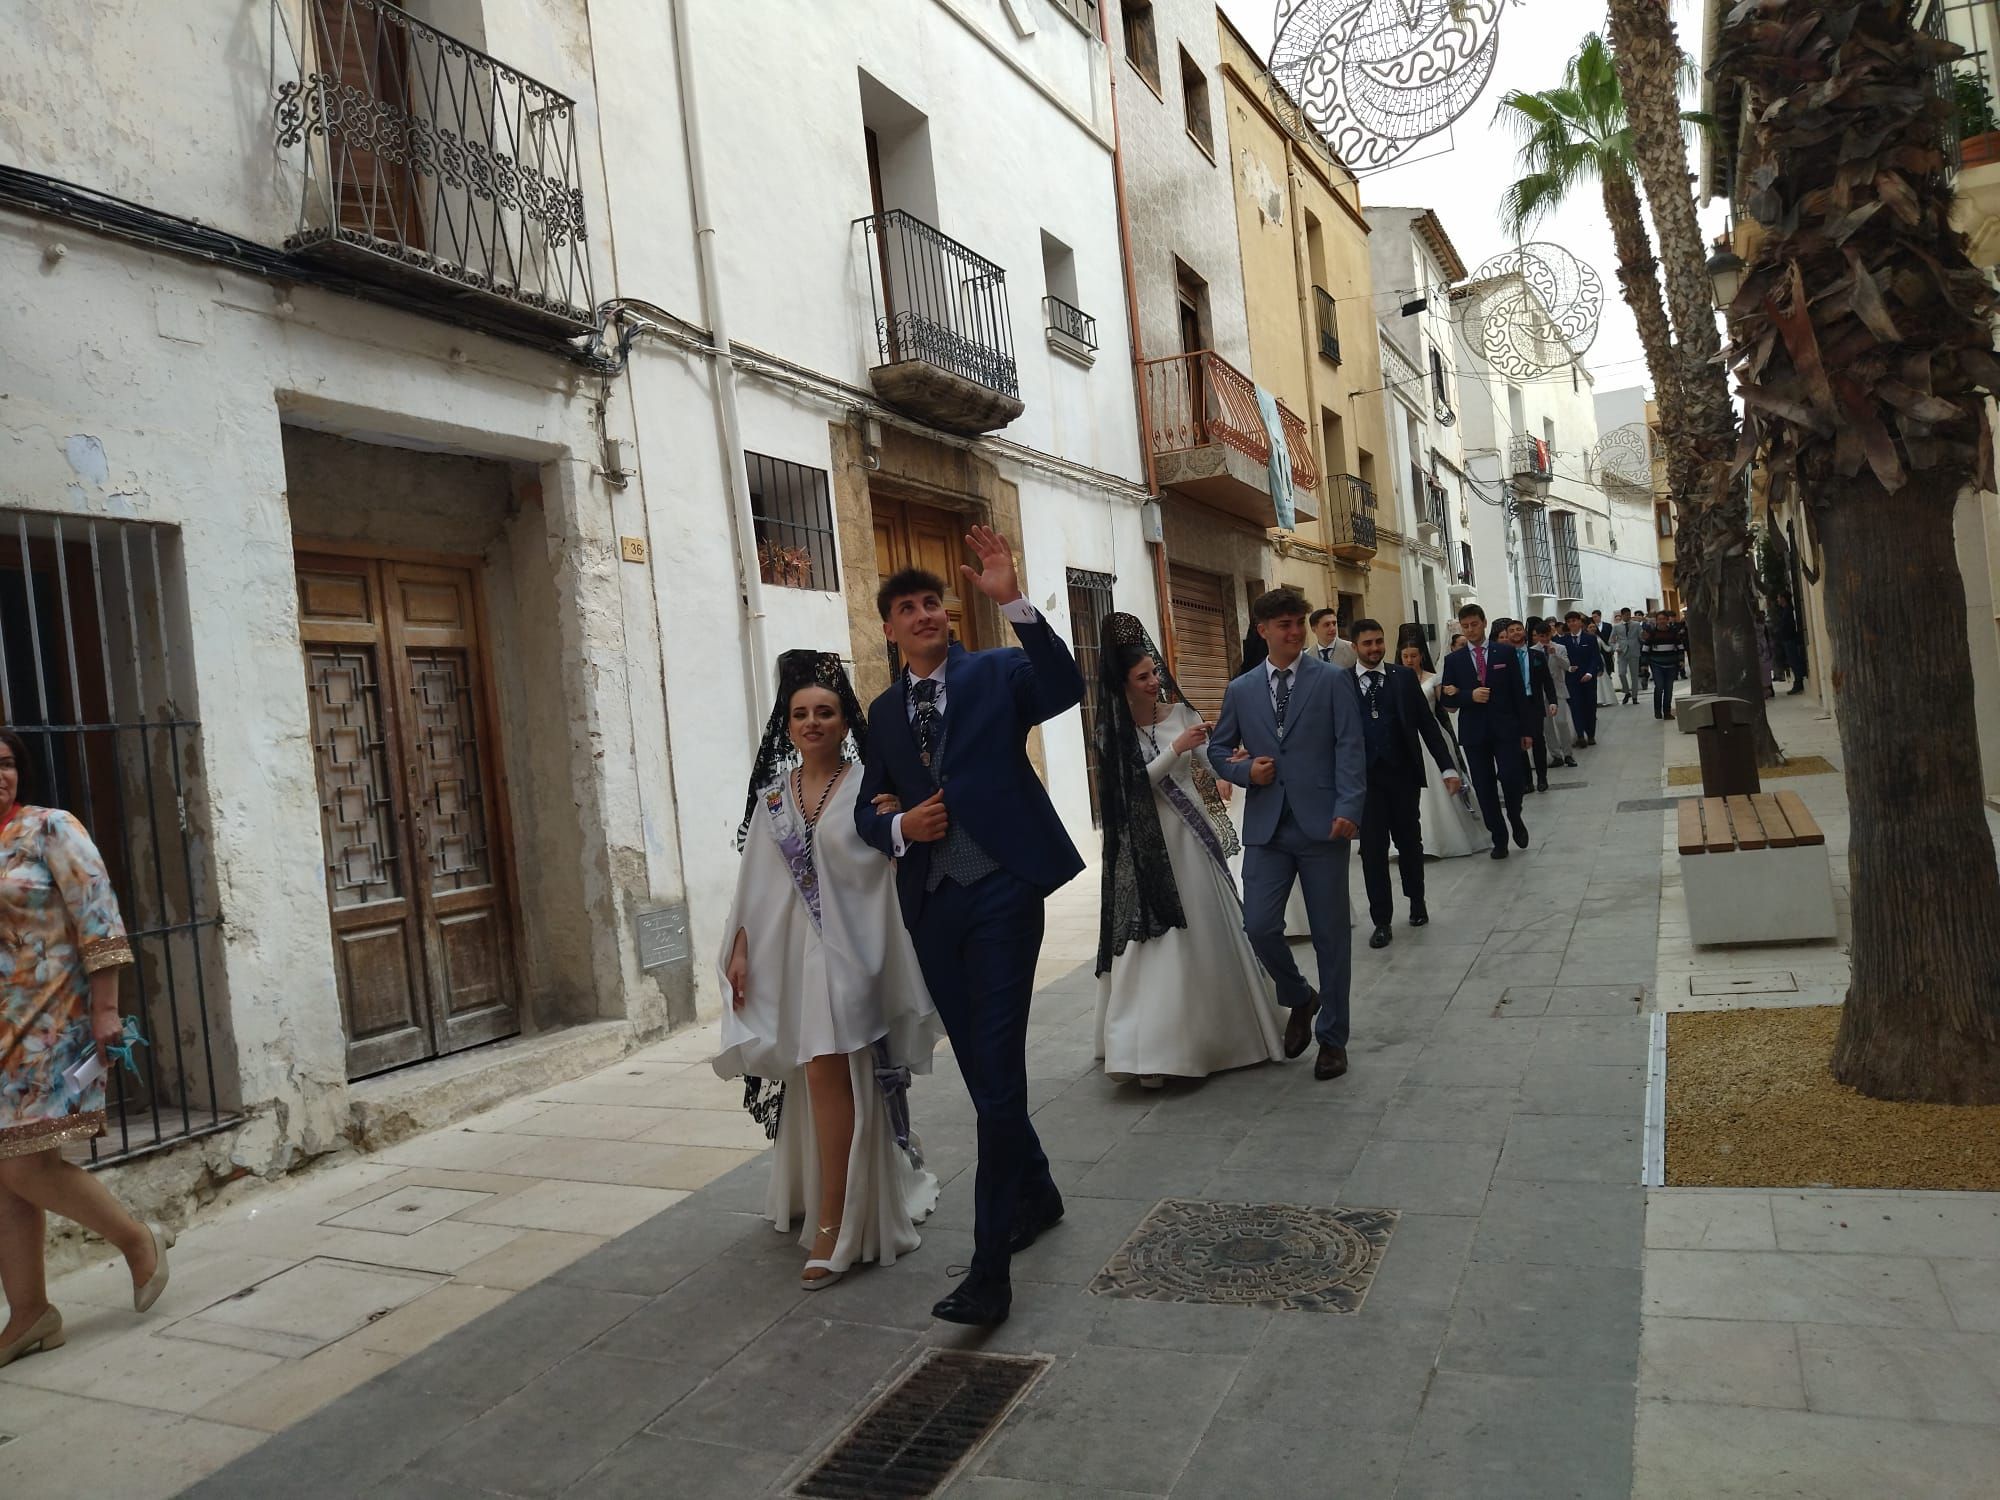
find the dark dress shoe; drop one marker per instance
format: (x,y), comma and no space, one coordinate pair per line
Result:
(1380,937)
(1541,786)
(1331,1064)
(1499,851)
(1520,830)
(1032,1221)
(1299,1030)
(977,1304)
(1419,917)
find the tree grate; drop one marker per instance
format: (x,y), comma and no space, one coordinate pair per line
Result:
(913,1439)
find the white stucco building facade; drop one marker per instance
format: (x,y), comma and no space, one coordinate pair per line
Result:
(457,549)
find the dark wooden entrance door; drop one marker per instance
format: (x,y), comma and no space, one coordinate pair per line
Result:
(909,535)
(416,871)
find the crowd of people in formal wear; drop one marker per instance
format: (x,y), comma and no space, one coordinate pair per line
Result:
(895,862)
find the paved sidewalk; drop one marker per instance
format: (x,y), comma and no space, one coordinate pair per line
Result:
(1842,1345)
(561,1336)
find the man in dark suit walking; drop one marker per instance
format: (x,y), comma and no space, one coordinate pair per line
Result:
(1496,725)
(1398,727)
(1586,659)
(978,847)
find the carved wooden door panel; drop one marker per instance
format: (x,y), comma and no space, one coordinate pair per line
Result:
(415,874)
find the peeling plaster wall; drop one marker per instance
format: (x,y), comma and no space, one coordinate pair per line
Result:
(141,386)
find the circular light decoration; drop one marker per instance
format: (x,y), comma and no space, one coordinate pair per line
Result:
(1537,310)
(1377,76)
(1623,454)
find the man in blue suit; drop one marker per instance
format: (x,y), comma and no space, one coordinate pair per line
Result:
(1497,722)
(978,847)
(1298,721)
(1586,659)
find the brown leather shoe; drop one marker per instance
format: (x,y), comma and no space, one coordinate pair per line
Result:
(1299,1030)
(1332,1063)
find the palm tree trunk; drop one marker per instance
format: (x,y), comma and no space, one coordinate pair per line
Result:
(1639,281)
(1713,518)
(1922,1019)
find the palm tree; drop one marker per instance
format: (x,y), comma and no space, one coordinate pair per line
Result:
(1573,135)
(1712,535)
(1864,340)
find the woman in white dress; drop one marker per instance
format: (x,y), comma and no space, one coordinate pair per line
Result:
(1180,994)
(1562,730)
(828,1013)
(1452,826)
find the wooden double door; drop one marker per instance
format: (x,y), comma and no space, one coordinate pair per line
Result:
(911,535)
(417,879)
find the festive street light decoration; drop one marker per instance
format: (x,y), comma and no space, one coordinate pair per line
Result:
(1535,309)
(1375,77)
(1624,455)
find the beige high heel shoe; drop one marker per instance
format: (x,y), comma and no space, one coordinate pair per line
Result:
(144,1297)
(47,1334)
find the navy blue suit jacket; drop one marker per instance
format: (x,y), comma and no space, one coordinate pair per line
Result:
(1586,654)
(992,699)
(1509,715)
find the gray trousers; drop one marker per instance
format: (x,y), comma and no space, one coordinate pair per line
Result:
(1628,673)
(1320,867)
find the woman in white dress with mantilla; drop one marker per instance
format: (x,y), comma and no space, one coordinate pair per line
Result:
(1452,827)
(1180,993)
(828,1012)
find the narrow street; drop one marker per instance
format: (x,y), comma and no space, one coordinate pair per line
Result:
(1495,1104)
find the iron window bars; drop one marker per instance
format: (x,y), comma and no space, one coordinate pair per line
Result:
(424,158)
(1465,564)
(1071,322)
(1569,571)
(791,510)
(92,677)
(1327,316)
(1538,556)
(938,302)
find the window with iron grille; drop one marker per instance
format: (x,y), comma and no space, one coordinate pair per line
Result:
(94,676)
(1326,314)
(1536,552)
(792,511)
(1569,573)
(1465,563)
(1089,603)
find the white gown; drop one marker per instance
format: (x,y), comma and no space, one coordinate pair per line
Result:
(832,988)
(1452,825)
(1194,1000)
(1562,729)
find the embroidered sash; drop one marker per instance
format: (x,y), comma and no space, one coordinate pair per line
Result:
(1198,820)
(790,834)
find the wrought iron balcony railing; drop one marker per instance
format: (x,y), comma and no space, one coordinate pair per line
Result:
(1071,322)
(939,303)
(1193,400)
(1326,315)
(1351,493)
(425,160)
(1437,509)
(1465,575)
(1531,462)
(1350,528)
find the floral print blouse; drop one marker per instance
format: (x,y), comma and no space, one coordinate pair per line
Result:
(59,924)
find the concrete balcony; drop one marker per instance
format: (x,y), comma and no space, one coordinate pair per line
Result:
(1209,441)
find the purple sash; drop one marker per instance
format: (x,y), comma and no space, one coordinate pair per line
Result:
(792,844)
(1198,820)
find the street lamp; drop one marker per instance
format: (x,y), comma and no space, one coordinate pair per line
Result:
(1725,274)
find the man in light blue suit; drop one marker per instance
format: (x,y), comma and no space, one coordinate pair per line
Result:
(1304,762)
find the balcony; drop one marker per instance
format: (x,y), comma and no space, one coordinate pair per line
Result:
(1433,509)
(1350,521)
(1209,441)
(429,166)
(1464,584)
(941,327)
(1530,465)
(1071,330)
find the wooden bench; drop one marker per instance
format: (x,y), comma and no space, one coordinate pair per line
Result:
(1755,870)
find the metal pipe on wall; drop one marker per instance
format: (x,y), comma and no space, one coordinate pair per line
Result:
(728,423)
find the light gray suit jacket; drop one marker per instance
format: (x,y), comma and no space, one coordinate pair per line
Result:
(1322,756)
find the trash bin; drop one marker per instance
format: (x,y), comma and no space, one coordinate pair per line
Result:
(1728,747)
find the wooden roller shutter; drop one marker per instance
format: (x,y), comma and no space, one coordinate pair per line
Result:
(1201,637)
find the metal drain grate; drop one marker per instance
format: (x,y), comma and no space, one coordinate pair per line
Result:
(1648,804)
(912,1440)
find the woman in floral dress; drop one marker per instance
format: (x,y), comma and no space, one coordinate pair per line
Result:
(62,944)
